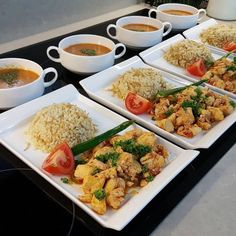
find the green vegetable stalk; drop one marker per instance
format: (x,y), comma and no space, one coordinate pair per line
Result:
(82,147)
(165,93)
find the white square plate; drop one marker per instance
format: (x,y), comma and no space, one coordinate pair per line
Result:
(97,87)
(194,33)
(154,57)
(12,136)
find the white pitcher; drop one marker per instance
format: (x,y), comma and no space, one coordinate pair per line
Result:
(222,9)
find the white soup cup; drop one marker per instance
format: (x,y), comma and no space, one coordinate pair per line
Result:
(178,22)
(135,39)
(86,64)
(14,96)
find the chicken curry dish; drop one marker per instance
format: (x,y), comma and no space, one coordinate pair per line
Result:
(113,167)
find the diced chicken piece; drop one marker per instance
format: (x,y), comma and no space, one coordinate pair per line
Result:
(83,170)
(216,113)
(147,139)
(87,198)
(143,183)
(135,133)
(118,138)
(99,206)
(115,197)
(114,183)
(127,166)
(92,183)
(98,164)
(184,116)
(103,151)
(153,161)
(166,124)
(189,131)
(204,120)
(108,173)
(161,150)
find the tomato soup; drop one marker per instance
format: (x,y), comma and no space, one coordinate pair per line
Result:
(87,49)
(140,27)
(15,77)
(178,12)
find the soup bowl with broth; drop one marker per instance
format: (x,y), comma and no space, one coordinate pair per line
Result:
(22,80)
(181,16)
(139,32)
(86,53)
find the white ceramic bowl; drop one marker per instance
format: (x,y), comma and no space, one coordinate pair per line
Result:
(178,22)
(86,64)
(11,97)
(135,39)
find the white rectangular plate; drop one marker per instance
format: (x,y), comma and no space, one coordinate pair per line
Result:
(97,87)
(194,33)
(154,57)
(12,136)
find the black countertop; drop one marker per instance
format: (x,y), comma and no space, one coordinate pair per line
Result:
(31,206)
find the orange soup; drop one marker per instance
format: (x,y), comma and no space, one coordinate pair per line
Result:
(140,27)
(87,49)
(178,12)
(15,77)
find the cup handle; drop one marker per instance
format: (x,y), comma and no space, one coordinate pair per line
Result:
(108,31)
(168,26)
(150,12)
(49,70)
(201,14)
(123,51)
(53,58)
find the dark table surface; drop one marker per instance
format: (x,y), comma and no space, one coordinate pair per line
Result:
(31,206)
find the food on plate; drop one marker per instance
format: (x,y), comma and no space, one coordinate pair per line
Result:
(142,81)
(198,68)
(87,49)
(57,123)
(187,52)
(61,159)
(117,165)
(222,74)
(189,110)
(140,27)
(220,35)
(177,12)
(137,104)
(15,77)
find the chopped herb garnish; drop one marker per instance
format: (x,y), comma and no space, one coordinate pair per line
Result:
(194,105)
(112,156)
(231,68)
(144,168)
(65,180)
(9,77)
(132,147)
(89,52)
(232,103)
(80,161)
(95,171)
(100,194)
(208,63)
(169,112)
(149,178)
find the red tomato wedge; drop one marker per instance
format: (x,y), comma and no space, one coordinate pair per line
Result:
(137,104)
(198,68)
(231,46)
(60,161)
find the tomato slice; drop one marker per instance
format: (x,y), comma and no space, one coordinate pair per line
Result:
(137,104)
(60,161)
(198,68)
(231,46)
